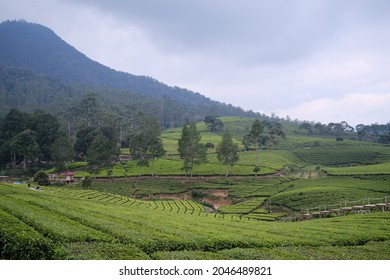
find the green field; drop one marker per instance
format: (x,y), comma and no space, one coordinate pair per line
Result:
(210,216)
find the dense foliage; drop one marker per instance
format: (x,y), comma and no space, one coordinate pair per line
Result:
(24,137)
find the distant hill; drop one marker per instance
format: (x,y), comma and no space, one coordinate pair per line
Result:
(34,54)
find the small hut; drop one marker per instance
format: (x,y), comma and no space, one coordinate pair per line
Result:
(69,176)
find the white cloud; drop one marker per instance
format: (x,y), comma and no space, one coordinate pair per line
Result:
(366,108)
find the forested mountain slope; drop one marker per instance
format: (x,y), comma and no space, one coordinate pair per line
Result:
(39,66)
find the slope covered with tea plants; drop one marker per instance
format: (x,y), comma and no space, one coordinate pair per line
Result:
(75,224)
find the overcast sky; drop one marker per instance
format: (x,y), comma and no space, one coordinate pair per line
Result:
(317,60)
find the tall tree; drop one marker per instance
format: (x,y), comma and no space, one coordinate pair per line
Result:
(155,144)
(227,151)
(191,151)
(257,139)
(306,126)
(145,141)
(101,153)
(89,110)
(139,150)
(13,123)
(84,139)
(46,128)
(62,151)
(275,132)
(25,145)
(213,124)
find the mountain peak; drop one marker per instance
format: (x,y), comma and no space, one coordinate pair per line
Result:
(36,47)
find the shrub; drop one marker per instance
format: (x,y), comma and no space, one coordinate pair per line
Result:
(41,178)
(87,182)
(209,145)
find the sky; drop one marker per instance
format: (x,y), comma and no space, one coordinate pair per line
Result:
(314,60)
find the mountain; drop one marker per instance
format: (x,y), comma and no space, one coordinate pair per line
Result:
(36,55)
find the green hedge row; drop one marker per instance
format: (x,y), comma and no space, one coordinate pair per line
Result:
(19,241)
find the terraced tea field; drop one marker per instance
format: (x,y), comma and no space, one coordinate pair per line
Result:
(344,155)
(62,223)
(210,216)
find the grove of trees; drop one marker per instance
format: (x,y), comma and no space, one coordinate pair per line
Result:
(30,142)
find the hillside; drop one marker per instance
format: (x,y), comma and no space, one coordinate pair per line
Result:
(38,59)
(68,224)
(206,216)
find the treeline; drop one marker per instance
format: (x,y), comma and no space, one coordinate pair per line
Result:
(33,141)
(25,138)
(371,133)
(376,132)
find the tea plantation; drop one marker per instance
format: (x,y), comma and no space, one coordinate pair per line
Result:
(82,224)
(210,216)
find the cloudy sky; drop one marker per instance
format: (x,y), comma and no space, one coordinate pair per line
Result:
(320,60)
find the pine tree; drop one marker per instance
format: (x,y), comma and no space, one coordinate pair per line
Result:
(191,151)
(227,151)
(145,142)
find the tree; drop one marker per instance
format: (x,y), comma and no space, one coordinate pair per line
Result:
(25,145)
(62,151)
(13,123)
(346,127)
(101,153)
(156,149)
(275,132)
(145,141)
(191,151)
(255,138)
(139,151)
(213,124)
(320,128)
(87,182)
(360,127)
(89,110)
(46,128)
(336,129)
(227,151)
(84,139)
(41,178)
(307,126)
